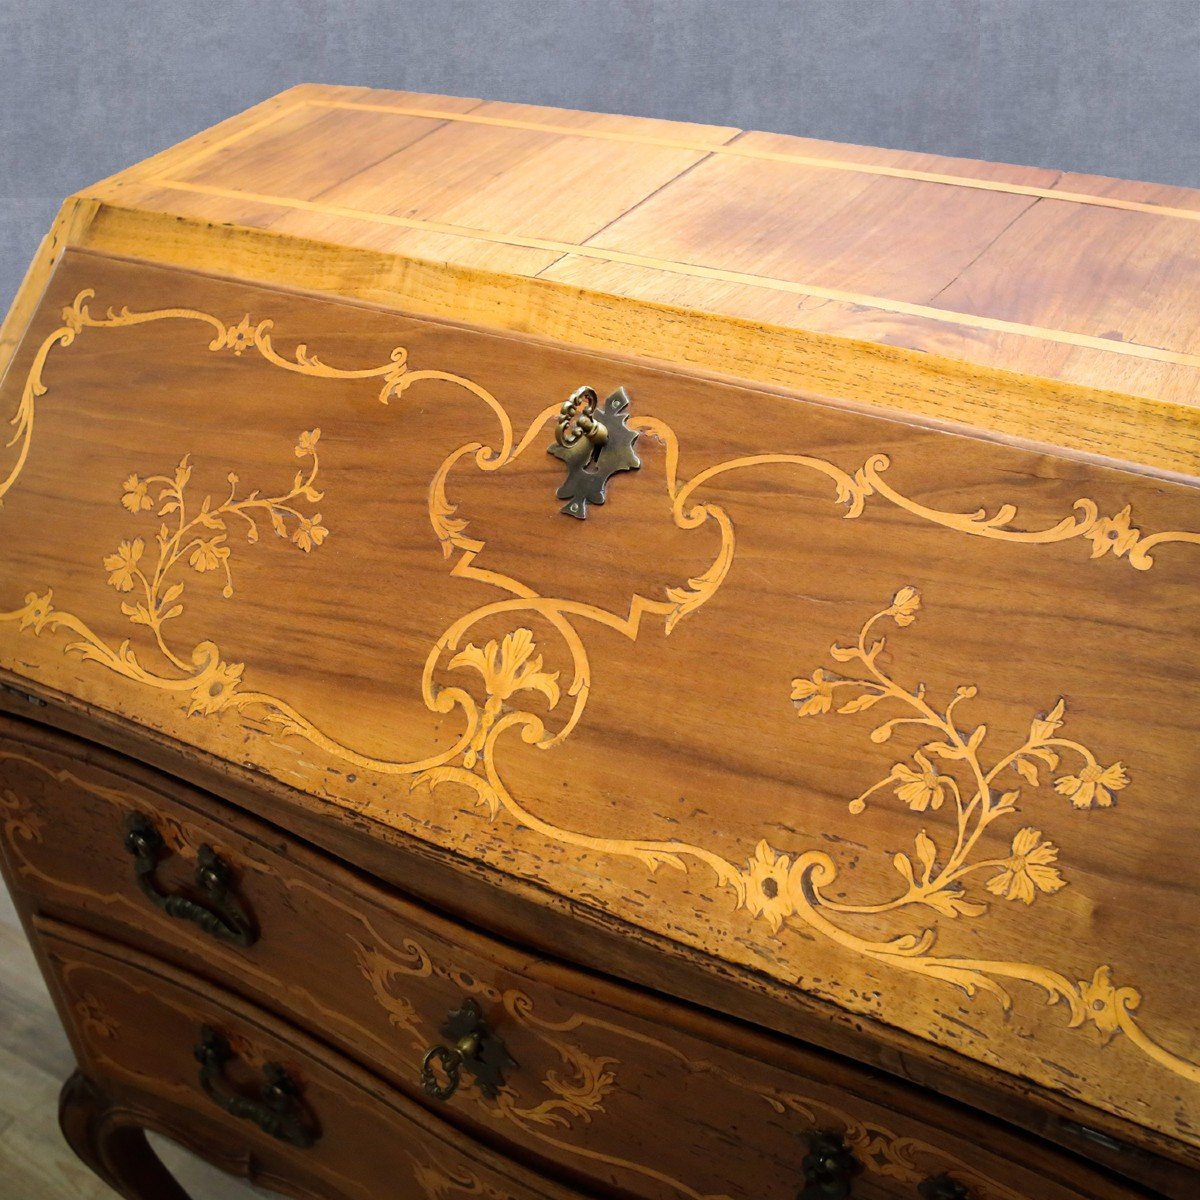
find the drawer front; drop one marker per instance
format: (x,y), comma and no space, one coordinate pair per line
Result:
(335,1131)
(613,1087)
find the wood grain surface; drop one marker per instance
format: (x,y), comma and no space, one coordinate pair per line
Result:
(1016,300)
(429,645)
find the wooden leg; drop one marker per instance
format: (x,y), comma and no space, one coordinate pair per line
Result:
(113,1147)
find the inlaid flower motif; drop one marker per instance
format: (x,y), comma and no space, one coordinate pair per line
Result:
(766,878)
(1115,534)
(95,1018)
(309,533)
(1103,1002)
(905,605)
(509,666)
(306,444)
(815,695)
(136,497)
(208,554)
(36,612)
(1093,787)
(215,688)
(241,336)
(122,567)
(1030,870)
(922,789)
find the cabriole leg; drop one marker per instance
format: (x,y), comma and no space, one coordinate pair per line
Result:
(113,1148)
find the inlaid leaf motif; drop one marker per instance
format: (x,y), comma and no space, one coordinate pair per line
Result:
(1028,771)
(927,853)
(509,666)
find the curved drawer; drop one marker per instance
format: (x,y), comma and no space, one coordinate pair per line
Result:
(617,1089)
(338,1136)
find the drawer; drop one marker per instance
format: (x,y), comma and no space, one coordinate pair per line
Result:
(611,1087)
(189,1053)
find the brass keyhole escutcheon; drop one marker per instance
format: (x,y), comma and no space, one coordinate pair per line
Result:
(473,1047)
(595,443)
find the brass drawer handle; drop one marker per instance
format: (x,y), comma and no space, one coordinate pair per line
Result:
(829,1167)
(279,1110)
(943,1188)
(473,1046)
(226,919)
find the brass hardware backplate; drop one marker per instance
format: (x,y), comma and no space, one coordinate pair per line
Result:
(473,1046)
(595,445)
(829,1167)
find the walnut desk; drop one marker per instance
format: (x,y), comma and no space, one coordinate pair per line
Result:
(556,655)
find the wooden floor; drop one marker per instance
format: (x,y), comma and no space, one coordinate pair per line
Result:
(35,1163)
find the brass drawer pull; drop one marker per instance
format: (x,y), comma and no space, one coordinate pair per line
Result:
(279,1110)
(473,1046)
(226,918)
(943,1188)
(829,1167)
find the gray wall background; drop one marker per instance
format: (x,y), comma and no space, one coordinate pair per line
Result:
(1104,86)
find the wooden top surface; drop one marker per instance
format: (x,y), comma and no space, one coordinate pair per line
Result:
(1055,307)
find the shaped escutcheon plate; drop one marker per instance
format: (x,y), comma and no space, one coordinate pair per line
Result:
(595,445)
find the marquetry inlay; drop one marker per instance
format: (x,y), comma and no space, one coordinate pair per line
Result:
(192,535)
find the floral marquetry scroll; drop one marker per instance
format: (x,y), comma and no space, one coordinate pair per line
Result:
(950,769)
(517,669)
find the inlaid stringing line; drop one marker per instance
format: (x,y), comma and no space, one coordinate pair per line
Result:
(169,165)
(735,149)
(901,307)
(163,165)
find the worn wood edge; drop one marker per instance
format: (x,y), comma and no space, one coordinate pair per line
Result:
(68,228)
(1115,426)
(77,212)
(525,914)
(933,1110)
